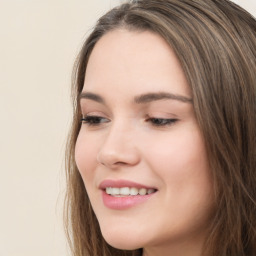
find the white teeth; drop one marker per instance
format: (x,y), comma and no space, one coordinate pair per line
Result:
(115,191)
(109,190)
(134,191)
(142,191)
(126,191)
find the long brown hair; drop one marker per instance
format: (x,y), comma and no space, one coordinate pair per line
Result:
(215,42)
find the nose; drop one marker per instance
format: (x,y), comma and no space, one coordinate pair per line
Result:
(119,148)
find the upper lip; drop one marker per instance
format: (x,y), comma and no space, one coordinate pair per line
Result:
(121,183)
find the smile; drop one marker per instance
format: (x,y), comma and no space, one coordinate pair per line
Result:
(123,194)
(126,191)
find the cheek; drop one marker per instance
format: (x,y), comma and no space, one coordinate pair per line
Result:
(181,162)
(180,149)
(182,165)
(85,155)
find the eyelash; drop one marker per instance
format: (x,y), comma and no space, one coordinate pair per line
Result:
(155,121)
(94,120)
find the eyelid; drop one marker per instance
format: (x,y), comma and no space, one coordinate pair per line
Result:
(91,112)
(160,121)
(88,107)
(94,120)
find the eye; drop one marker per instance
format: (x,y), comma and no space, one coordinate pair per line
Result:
(156,121)
(94,120)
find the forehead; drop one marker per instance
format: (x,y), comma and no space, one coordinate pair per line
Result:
(124,59)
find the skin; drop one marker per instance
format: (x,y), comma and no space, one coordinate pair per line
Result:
(126,143)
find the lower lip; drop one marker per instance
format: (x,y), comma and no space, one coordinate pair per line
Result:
(121,203)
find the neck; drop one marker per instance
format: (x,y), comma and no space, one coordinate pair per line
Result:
(183,248)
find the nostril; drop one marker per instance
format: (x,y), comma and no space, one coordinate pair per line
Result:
(120,163)
(114,158)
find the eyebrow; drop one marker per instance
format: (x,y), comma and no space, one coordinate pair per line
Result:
(91,96)
(141,99)
(149,97)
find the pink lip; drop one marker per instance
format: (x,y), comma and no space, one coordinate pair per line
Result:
(121,183)
(124,202)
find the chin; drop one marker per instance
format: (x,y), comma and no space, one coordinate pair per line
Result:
(122,240)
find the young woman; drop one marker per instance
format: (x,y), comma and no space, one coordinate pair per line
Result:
(161,156)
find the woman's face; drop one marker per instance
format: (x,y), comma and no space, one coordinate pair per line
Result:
(140,151)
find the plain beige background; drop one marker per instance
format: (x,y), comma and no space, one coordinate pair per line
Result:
(39,40)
